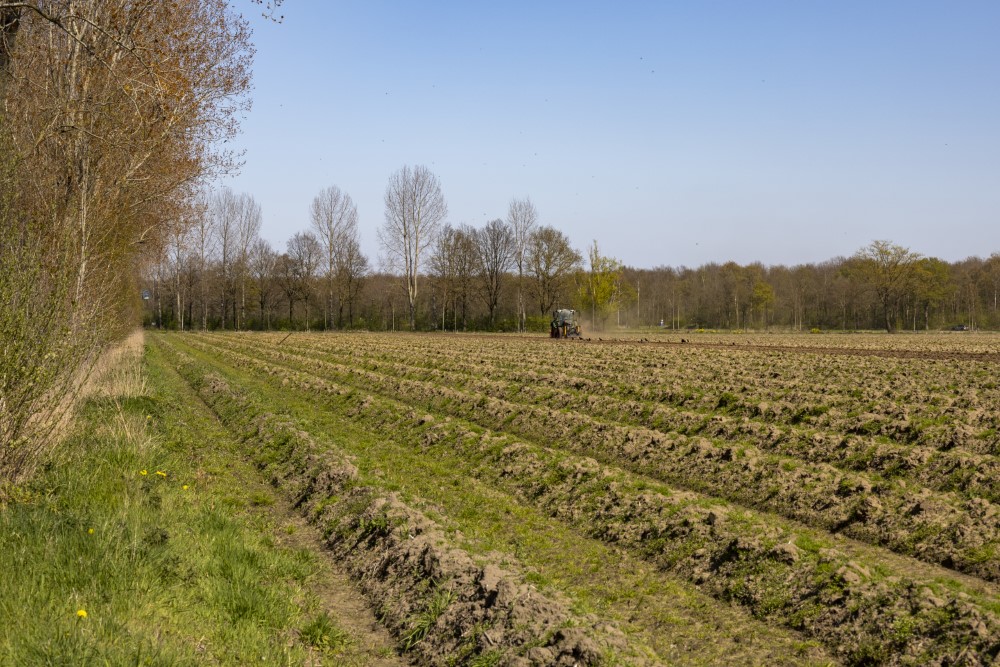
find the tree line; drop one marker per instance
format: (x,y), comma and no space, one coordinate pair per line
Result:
(113,114)
(510,274)
(882,286)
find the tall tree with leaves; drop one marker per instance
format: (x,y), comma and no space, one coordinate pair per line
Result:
(887,270)
(930,287)
(601,288)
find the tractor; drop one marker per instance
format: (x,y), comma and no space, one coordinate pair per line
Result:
(564,324)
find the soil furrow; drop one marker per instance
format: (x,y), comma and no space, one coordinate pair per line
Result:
(736,554)
(433,597)
(937,528)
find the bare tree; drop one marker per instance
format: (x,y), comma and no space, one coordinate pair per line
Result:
(288,281)
(551,262)
(204,248)
(466,266)
(262,267)
(522,219)
(351,267)
(443,267)
(495,255)
(224,211)
(179,256)
(334,217)
(248,226)
(305,254)
(454,266)
(414,210)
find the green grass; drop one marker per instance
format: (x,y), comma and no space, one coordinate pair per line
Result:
(422,623)
(148,541)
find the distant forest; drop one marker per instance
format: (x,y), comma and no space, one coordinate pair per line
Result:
(510,274)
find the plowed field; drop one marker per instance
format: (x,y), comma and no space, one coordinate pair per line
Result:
(523,501)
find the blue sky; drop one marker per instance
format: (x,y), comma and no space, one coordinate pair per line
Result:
(673,133)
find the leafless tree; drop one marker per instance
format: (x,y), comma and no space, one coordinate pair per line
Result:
(204,248)
(262,266)
(225,213)
(248,227)
(179,255)
(305,254)
(466,266)
(522,218)
(334,217)
(443,267)
(414,210)
(351,267)
(495,256)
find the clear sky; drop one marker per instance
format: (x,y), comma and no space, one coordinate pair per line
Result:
(674,133)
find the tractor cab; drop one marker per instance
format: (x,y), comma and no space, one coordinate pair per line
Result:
(564,324)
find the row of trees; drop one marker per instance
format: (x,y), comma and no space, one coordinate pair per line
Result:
(113,113)
(217,272)
(511,273)
(882,286)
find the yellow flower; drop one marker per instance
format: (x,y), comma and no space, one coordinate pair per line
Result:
(148,417)
(90,531)
(81,613)
(185,487)
(142,472)
(161,473)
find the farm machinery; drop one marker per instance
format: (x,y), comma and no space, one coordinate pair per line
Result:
(564,324)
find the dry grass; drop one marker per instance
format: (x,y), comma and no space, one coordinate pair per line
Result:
(118,372)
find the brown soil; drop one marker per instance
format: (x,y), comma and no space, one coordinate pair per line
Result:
(371,643)
(993,357)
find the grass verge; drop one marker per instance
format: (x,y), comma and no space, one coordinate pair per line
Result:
(148,541)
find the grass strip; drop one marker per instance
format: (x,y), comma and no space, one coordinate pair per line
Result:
(143,544)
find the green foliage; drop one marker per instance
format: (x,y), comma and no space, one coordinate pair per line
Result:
(322,632)
(601,289)
(888,271)
(423,622)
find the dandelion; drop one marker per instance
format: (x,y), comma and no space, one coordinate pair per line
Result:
(90,531)
(81,613)
(185,487)
(148,417)
(143,472)
(161,473)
